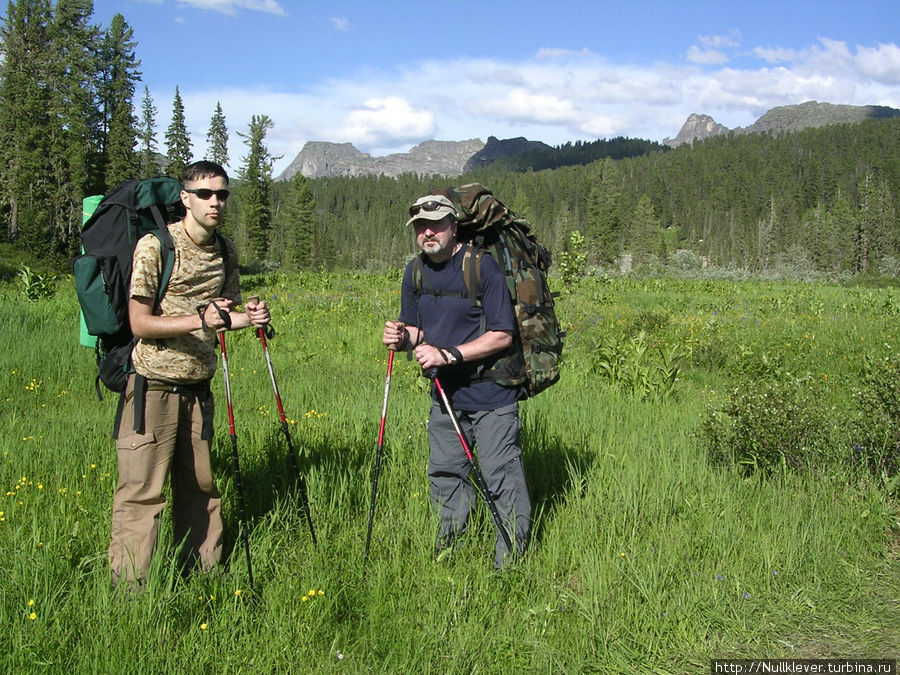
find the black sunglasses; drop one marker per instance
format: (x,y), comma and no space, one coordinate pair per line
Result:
(427,206)
(206,193)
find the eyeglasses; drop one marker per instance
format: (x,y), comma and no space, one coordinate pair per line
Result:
(427,206)
(206,193)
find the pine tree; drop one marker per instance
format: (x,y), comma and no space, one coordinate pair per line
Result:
(120,64)
(25,105)
(646,235)
(178,143)
(603,226)
(841,228)
(73,123)
(256,180)
(217,138)
(147,135)
(298,241)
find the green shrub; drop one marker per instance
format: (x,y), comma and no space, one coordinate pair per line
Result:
(774,426)
(629,363)
(877,425)
(36,286)
(572,263)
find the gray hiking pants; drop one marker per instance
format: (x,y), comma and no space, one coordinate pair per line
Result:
(496,435)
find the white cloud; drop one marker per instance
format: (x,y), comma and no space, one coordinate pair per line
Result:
(386,121)
(524,106)
(712,49)
(706,57)
(881,63)
(720,41)
(231,6)
(553,96)
(341,23)
(776,54)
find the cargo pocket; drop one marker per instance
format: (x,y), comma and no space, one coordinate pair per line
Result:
(137,456)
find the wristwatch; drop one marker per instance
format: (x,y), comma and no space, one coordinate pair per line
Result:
(455,355)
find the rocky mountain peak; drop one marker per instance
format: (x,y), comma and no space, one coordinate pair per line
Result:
(696,128)
(320,159)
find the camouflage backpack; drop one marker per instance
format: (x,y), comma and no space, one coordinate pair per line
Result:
(489,227)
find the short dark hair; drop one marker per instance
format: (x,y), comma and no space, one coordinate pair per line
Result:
(202,169)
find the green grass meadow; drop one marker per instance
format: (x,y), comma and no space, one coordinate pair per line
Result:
(647,556)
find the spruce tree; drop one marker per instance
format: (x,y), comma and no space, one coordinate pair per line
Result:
(178,143)
(256,180)
(646,235)
(298,241)
(147,136)
(73,123)
(120,64)
(25,105)
(217,138)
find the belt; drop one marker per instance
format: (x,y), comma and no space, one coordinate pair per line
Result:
(142,385)
(190,389)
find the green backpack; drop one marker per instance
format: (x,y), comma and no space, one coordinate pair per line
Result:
(489,227)
(103,271)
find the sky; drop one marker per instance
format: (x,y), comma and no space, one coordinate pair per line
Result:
(386,75)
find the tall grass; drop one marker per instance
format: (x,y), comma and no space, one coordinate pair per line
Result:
(645,556)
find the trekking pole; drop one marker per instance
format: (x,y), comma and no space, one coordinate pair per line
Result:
(498,521)
(234,453)
(387,388)
(262,332)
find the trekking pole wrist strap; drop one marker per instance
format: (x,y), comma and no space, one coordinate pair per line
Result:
(455,353)
(201,310)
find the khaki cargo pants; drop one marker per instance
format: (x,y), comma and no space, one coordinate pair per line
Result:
(173,440)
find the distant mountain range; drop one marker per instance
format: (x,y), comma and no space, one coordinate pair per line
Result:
(320,159)
(783,119)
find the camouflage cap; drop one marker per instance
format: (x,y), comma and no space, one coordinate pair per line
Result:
(431,207)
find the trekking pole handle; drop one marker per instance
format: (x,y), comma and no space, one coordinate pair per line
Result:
(266,331)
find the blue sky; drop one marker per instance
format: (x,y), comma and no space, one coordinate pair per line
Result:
(388,75)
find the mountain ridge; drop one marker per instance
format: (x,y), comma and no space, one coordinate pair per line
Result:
(782,119)
(322,159)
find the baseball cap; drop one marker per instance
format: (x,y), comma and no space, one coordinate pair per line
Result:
(430,207)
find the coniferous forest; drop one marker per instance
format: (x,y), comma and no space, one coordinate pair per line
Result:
(820,201)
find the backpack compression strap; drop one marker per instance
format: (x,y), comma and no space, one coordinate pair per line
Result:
(471,276)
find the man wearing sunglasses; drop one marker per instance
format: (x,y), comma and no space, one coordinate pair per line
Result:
(166,420)
(444,330)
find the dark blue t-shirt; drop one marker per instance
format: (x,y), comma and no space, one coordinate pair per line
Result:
(449,321)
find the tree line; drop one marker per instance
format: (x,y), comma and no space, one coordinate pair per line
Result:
(69,129)
(824,199)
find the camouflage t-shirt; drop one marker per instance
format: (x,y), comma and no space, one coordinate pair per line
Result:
(198,276)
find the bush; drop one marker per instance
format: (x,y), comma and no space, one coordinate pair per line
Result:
(572,263)
(773,426)
(876,428)
(686,260)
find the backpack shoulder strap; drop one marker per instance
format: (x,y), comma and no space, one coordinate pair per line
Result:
(167,252)
(471,269)
(418,276)
(223,248)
